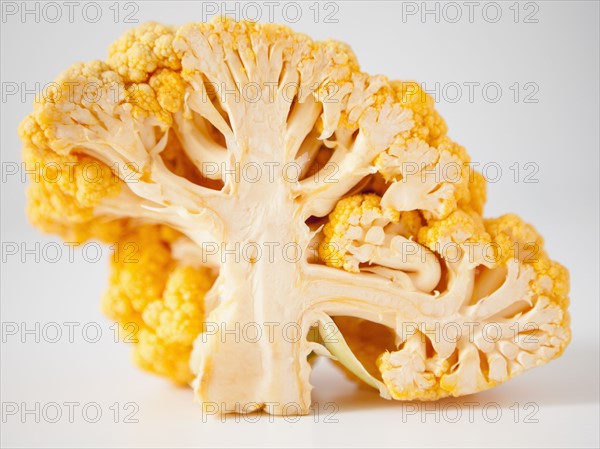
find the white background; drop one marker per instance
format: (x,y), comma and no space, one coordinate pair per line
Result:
(559,133)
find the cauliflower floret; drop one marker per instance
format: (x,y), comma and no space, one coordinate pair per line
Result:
(512,288)
(361,235)
(158,302)
(65,189)
(409,374)
(143,50)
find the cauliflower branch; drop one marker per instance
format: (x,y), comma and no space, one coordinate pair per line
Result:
(215,148)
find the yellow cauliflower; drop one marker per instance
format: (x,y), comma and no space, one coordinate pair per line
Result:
(282,203)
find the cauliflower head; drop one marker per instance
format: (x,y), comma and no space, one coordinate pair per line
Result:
(281,203)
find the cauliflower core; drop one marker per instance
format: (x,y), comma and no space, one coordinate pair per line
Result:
(282,203)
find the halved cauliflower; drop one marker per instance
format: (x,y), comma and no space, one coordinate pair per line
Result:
(281,203)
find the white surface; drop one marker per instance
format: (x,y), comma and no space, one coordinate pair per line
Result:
(559,133)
